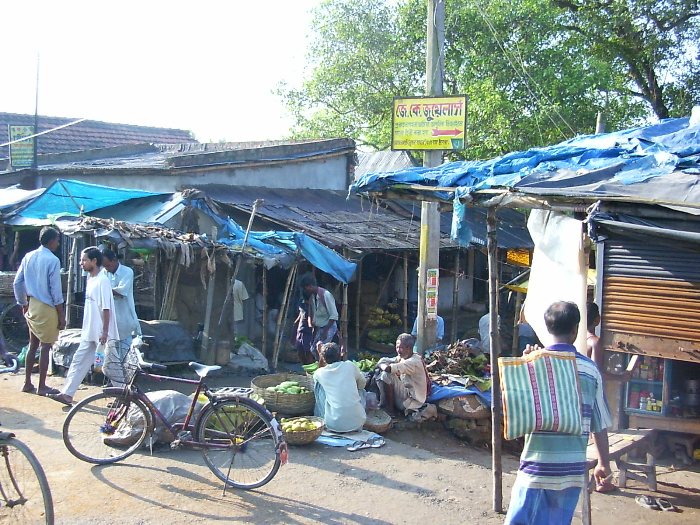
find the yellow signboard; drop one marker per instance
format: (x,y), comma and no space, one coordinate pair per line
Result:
(429,123)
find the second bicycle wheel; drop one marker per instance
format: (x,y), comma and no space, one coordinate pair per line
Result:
(241,445)
(106,427)
(25,496)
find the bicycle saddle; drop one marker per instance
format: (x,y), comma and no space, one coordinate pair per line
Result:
(202,370)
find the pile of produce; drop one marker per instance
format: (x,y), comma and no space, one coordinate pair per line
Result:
(384,326)
(288,387)
(310,368)
(367,364)
(298,424)
(459,359)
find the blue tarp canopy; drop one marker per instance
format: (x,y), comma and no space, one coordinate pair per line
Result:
(70,197)
(656,164)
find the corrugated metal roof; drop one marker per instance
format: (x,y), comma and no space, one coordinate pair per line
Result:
(380,161)
(327,216)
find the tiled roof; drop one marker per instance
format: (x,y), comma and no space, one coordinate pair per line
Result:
(88,134)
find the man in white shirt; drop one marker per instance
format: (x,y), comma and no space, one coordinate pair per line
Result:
(239,294)
(99,324)
(121,279)
(403,382)
(324,314)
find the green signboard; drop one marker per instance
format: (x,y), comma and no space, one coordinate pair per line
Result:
(21,153)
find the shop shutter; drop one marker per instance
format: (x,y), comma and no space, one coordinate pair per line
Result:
(651,290)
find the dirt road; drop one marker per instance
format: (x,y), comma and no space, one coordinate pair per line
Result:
(420,476)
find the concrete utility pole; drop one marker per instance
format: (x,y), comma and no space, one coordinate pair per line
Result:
(430,214)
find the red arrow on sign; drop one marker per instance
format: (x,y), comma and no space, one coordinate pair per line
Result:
(449,132)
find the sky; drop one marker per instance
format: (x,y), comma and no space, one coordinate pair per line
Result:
(208,66)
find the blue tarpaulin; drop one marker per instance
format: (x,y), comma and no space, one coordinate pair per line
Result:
(657,162)
(439,392)
(70,197)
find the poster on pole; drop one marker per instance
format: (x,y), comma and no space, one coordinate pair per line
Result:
(429,123)
(21,153)
(431,292)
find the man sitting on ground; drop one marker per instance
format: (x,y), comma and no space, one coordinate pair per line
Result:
(338,386)
(403,381)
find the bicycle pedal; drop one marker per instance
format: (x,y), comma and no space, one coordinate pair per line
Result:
(174,445)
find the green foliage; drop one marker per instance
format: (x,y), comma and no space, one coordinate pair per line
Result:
(535,71)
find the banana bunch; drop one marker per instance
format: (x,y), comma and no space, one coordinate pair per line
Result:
(381,318)
(366,365)
(298,424)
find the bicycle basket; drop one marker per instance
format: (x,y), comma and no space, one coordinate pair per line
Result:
(121,362)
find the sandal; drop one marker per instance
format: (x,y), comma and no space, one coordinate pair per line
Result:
(665,505)
(61,398)
(48,391)
(647,502)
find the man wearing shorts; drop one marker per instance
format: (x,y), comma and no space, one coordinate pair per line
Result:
(38,290)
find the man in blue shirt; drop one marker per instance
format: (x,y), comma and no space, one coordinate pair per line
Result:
(439,333)
(38,290)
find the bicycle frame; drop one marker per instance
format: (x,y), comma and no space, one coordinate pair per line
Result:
(176,429)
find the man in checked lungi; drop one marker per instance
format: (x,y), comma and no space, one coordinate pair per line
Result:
(553,465)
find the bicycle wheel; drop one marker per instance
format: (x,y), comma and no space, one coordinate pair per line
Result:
(25,496)
(14,327)
(242,446)
(107,427)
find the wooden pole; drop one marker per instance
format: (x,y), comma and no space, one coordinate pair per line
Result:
(71,284)
(344,317)
(263,348)
(516,322)
(358,302)
(208,346)
(229,291)
(283,314)
(455,298)
(405,292)
(496,465)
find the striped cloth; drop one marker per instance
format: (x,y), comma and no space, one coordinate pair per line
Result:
(540,392)
(558,461)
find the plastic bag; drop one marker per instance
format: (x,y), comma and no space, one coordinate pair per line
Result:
(99,358)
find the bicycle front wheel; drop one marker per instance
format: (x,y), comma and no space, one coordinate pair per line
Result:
(241,446)
(107,427)
(25,496)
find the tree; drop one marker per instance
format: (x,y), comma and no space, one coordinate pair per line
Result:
(534,70)
(652,40)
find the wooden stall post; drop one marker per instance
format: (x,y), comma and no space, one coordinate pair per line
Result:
(358,302)
(496,465)
(344,317)
(405,292)
(516,322)
(70,296)
(455,299)
(263,345)
(208,346)
(283,314)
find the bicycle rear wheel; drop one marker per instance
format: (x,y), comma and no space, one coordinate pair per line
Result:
(241,443)
(25,496)
(107,427)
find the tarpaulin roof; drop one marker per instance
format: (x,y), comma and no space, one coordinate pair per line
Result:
(70,197)
(656,164)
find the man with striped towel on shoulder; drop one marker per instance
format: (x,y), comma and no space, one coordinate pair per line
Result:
(553,465)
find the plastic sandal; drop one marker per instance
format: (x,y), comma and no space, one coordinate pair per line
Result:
(646,502)
(665,505)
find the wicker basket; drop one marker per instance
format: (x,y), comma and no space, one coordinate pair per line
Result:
(305,437)
(288,404)
(377,421)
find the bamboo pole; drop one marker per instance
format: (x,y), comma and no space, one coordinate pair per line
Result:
(229,292)
(344,318)
(405,292)
(283,314)
(516,322)
(358,299)
(455,298)
(263,346)
(71,283)
(496,465)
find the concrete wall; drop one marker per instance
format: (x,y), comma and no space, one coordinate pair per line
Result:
(329,173)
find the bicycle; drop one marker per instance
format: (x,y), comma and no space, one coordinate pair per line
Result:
(25,496)
(242,443)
